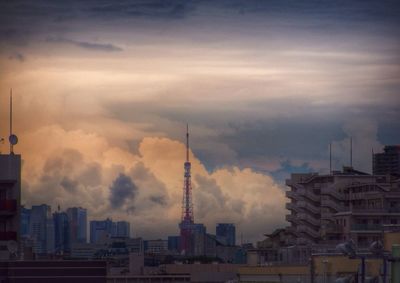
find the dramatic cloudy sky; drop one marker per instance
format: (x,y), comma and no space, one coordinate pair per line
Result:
(103,90)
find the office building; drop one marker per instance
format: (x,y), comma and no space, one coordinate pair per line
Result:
(25,219)
(156,246)
(40,228)
(226,233)
(387,162)
(101,230)
(173,243)
(62,241)
(77,217)
(10,198)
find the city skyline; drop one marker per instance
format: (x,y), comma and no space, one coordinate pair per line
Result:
(103,92)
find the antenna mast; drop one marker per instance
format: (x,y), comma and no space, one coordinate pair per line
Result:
(330,157)
(187,142)
(351,152)
(11,145)
(187,220)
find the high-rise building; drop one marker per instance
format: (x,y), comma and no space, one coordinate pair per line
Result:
(10,198)
(62,243)
(387,162)
(101,230)
(77,217)
(226,233)
(156,246)
(40,228)
(25,219)
(123,229)
(174,243)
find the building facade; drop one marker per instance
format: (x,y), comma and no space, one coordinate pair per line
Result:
(123,229)
(62,240)
(226,233)
(10,201)
(101,230)
(41,228)
(387,162)
(77,217)
(333,208)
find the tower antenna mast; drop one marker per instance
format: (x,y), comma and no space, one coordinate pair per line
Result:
(11,145)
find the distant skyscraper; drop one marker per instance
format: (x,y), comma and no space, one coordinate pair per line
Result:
(123,229)
(226,233)
(101,230)
(174,243)
(77,217)
(25,219)
(39,226)
(62,243)
(387,162)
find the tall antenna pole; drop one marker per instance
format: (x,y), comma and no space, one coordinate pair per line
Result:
(351,152)
(187,142)
(11,145)
(330,157)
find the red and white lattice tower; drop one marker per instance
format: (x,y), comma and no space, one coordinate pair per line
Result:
(187,221)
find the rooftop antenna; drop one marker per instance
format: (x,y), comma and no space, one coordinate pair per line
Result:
(351,152)
(13,139)
(330,157)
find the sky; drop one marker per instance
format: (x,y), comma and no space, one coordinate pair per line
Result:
(103,90)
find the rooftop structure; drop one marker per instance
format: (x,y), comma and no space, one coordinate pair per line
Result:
(387,162)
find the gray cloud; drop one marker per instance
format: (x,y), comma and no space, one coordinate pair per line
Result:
(69,185)
(122,190)
(106,47)
(17,56)
(158,200)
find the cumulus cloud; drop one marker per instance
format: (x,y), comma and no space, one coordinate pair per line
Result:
(146,189)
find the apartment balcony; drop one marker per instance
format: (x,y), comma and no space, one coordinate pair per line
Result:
(8,206)
(333,228)
(331,191)
(292,218)
(303,241)
(308,218)
(309,231)
(292,206)
(8,235)
(308,194)
(366,227)
(292,195)
(308,206)
(333,205)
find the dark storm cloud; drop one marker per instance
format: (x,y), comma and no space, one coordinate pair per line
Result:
(122,191)
(107,47)
(284,128)
(173,9)
(69,185)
